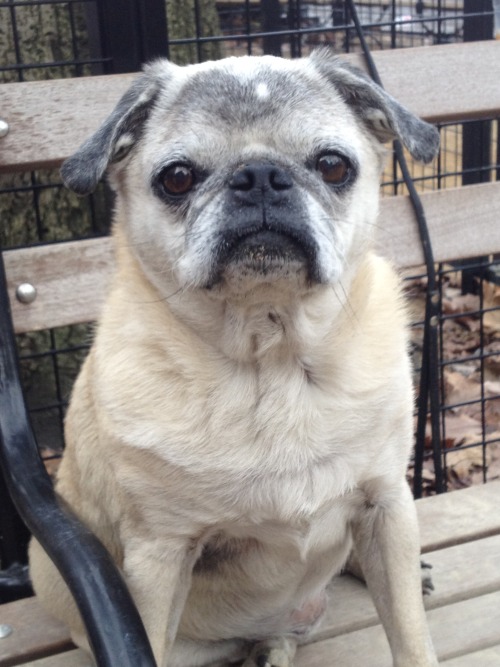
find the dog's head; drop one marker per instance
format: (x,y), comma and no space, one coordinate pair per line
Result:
(248,173)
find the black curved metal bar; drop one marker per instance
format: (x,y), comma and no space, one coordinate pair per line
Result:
(114,627)
(429,377)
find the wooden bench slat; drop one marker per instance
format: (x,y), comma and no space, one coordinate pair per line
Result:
(455,574)
(468,89)
(76,107)
(464,571)
(34,632)
(75,658)
(489,657)
(465,90)
(71,278)
(457,629)
(456,577)
(459,516)
(463,223)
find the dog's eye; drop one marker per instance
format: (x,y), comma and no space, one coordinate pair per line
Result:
(333,168)
(177,179)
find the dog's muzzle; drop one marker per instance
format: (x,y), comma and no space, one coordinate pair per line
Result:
(265,230)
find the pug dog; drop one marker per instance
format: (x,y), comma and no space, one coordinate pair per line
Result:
(244,416)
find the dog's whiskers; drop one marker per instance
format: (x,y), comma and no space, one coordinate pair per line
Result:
(345,303)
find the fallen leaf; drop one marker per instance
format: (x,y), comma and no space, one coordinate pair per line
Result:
(492,388)
(492,360)
(460,428)
(491,299)
(455,304)
(459,389)
(460,461)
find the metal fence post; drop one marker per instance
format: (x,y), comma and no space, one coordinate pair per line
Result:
(271,15)
(476,136)
(294,24)
(476,152)
(131,33)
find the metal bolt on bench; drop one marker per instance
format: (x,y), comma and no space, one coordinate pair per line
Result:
(26,293)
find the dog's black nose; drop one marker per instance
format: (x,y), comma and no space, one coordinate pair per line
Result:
(258,180)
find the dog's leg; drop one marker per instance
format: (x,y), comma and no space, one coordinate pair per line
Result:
(159,577)
(276,652)
(387,545)
(354,568)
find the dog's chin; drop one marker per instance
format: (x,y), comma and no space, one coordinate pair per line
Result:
(268,260)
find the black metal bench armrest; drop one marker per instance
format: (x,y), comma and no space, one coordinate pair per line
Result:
(114,627)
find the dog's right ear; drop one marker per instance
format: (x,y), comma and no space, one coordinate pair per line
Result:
(117,135)
(382,114)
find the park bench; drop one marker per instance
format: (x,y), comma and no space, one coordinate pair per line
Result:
(460,530)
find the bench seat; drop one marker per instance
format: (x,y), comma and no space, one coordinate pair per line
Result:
(460,534)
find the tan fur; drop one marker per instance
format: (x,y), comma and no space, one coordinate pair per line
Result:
(228,449)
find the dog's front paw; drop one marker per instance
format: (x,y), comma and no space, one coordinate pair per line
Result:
(272,653)
(274,657)
(427,585)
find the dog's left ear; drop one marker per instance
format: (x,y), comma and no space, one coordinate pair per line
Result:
(384,116)
(118,134)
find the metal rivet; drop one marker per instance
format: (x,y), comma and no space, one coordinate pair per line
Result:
(435,299)
(26,293)
(4,128)
(5,630)
(434,321)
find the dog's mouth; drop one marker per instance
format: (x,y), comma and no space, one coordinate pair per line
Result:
(265,249)
(266,253)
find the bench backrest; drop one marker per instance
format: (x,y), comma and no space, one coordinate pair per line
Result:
(449,83)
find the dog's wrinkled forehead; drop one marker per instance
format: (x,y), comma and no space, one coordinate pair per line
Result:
(247,90)
(242,95)
(240,103)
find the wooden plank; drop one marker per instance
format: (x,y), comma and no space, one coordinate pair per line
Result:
(456,577)
(486,658)
(45,122)
(459,516)
(462,222)
(443,83)
(71,278)
(34,633)
(46,125)
(75,658)
(455,574)
(457,629)
(489,657)
(464,571)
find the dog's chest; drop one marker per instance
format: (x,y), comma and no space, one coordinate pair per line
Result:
(273,442)
(273,415)
(268,444)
